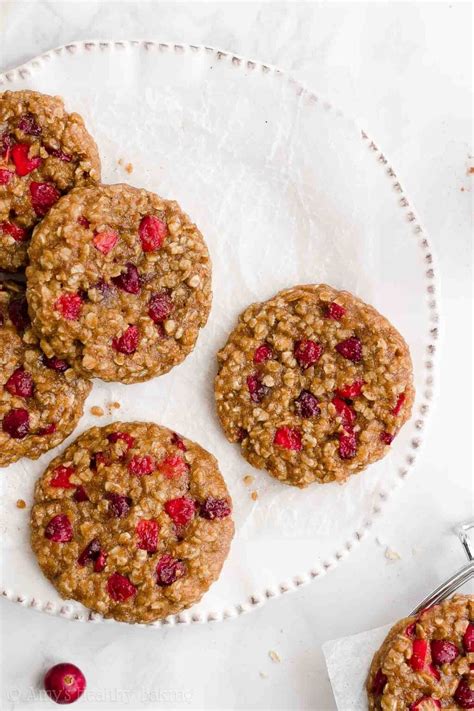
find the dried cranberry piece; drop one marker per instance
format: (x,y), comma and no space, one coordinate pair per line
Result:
(419,652)
(141,466)
(64,683)
(421,704)
(410,630)
(48,430)
(288,438)
(105,241)
(129,280)
(119,505)
(307,352)
(178,442)
(23,163)
(152,233)
(5,176)
(98,458)
(181,510)
(121,436)
(127,343)
(263,353)
(378,684)
(28,125)
(343,411)
(306,405)
(16,423)
(242,433)
(59,529)
(43,197)
(90,553)
(147,533)
(58,153)
(20,383)
(335,311)
(160,306)
(464,695)
(80,495)
(433,671)
(18,312)
(212,508)
(398,406)
(468,638)
(84,222)
(18,233)
(256,388)
(386,437)
(53,363)
(6,144)
(349,392)
(173,466)
(347,445)
(120,588)
(168,570)
(61,476)
(100,562)
(351,349)
(69,306)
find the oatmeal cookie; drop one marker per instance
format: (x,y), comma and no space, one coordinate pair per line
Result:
(427,661)
(44,152)
(133,521)
(314,385)
(41,399)
(119,282)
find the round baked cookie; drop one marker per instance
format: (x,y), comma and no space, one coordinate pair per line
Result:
(426,661)
(119,282)
(41,400)
(314,384)
(44,152)
(133,521)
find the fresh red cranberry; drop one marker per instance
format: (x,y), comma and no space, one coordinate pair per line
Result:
(59,529)
(168,570)
(61,476)
(386,437)
(351,349)
(425,703)
(122,437)
(141,466)
(398,406)
(5,176)
(433,671)
(306,405)
(29,125)
(18,233)
(160,306)
(410,630)
(80,495)
(288,438)
(343,411)
(64,683)
(256,388)
(69,306)
(90,553)
(173,466)
(335,311)
(53,363)
(23,163)
(307,352)
(43,197)
(48,430)
(119,505)
(16,423)
(129,280)
(349,392)
(378,684)
(419,652)
(347,445)
(181,510)
(58,153)
(263,353)
(178,442)
(212,508)
(18,312)
(20,383)
(127,343)
(468,638)
(147,533)
(152,233)
(120,588)
(105,241)
(464,694)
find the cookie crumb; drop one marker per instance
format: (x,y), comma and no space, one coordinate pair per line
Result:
(274,656)
(120,161)
(97,411)
(129,168)
(20,504)
(113,406)
(470,171)
(254,495)
(248,479)
(390,554)
(263,675)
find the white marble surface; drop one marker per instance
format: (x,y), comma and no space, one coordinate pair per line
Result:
(404,71)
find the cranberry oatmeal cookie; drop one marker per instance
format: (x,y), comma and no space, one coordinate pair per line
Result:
(314,385)
(119,282)
(133,521)
(41,399)
(44,152)
(427,661)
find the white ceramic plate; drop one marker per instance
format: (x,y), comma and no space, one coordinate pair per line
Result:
(286,191)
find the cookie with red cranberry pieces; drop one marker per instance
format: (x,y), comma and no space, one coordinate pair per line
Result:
(427,660)
(133,521)
(44,152)
(41,399)
(314,385)
(119,283)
